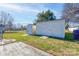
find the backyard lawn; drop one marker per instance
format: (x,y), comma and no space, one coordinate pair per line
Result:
(51,45)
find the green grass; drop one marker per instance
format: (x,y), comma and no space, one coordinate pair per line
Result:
(69,36)
(51,45)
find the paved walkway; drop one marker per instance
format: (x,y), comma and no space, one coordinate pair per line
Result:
(20,49)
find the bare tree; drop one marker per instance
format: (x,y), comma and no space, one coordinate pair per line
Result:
(10,22)
(71,12)
(3,17)
(6,19)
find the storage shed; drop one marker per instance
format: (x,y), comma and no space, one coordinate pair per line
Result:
(31,29)
(54,28)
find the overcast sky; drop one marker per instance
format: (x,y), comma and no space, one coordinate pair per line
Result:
(26,13)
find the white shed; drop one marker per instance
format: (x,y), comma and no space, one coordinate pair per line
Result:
(54,28)
(29,28)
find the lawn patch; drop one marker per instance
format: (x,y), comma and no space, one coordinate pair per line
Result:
(53,46)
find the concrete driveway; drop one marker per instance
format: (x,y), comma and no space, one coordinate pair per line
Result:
(20,49)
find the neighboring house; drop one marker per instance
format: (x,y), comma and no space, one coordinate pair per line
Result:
(72,29)
(54,28)
(73,26)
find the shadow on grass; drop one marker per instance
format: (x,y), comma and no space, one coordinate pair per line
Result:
(68,37)
(11,32)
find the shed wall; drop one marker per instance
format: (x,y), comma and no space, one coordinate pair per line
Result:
(29,29)
(51,28)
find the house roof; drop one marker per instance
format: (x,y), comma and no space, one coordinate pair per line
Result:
(73,24)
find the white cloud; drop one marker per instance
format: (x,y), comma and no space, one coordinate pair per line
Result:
(11,7)
(27,8)
(18,8)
